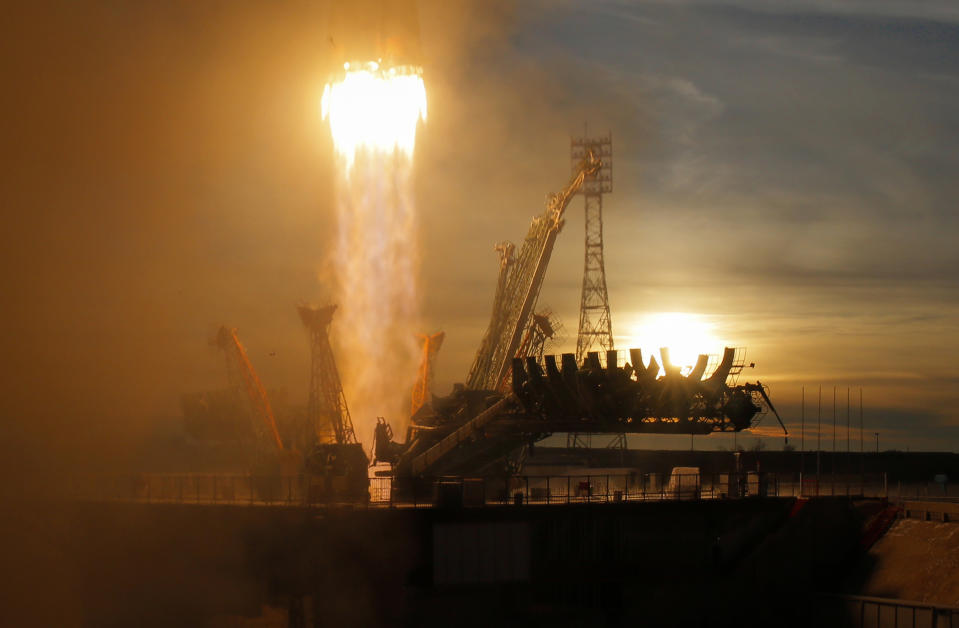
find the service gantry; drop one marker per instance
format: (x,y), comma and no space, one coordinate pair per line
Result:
(517,289)
(327,411)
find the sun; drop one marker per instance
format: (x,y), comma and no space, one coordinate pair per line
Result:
(686,336)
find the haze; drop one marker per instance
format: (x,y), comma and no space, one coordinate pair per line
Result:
(786,171)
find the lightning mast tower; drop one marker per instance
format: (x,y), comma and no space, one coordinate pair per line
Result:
(595,328)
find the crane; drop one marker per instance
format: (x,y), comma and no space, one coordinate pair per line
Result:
(264,423)
(424,377)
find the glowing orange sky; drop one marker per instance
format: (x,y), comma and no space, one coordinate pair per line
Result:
(788,174)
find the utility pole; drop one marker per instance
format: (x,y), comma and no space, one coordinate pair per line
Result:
(595,327)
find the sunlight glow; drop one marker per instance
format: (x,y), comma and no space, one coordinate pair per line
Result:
(686,335)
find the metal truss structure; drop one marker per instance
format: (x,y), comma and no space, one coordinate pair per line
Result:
(327,411)
(608,398)
(595,324)
(595,328)
(422,387)
(514,398)
(518,286)
(335,462)
(242,375)
(477,432)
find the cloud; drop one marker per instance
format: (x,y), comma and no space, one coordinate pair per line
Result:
(938,10)
(788,169)
(786,174)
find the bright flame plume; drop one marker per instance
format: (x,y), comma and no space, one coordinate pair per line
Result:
(375,109)
(373,115)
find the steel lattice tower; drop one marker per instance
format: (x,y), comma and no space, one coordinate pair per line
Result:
(327,411)
(595,329)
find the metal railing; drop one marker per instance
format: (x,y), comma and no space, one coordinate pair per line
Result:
(589,488)
(192,488)
(927,491)
(605,488)
(876,612)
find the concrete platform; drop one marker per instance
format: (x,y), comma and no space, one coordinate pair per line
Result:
(710,562)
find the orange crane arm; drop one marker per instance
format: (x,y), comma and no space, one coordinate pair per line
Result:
(228,340)
(424,378)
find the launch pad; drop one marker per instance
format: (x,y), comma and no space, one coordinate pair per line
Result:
(515,394)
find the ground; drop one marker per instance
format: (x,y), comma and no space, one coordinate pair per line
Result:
(916,560)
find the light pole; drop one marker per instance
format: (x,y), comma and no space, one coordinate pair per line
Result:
(802,432)
(818,438)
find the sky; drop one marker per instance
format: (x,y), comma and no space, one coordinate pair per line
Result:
(783,170)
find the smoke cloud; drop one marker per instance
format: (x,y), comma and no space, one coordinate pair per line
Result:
(377,286)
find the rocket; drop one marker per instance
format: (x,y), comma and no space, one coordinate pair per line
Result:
(375,95)
(385,32)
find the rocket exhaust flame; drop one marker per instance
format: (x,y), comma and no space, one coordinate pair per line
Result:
(373,114)
(374,109)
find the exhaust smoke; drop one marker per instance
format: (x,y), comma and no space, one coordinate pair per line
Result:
(373,113)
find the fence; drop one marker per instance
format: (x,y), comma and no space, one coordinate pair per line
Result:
(468,491)
(191,488)
(876,612)
(924,490)
(603,488)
